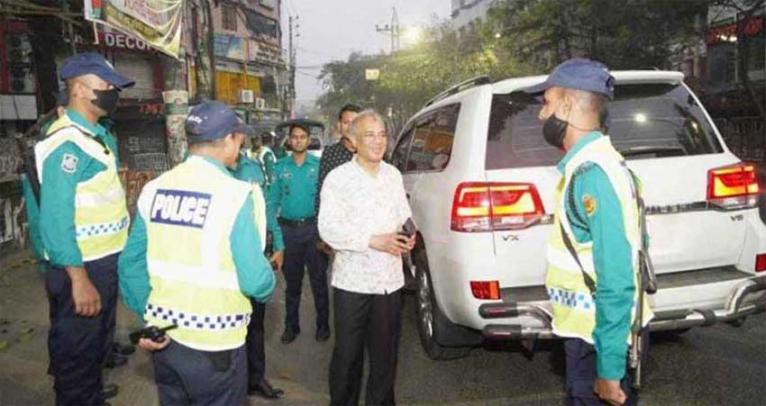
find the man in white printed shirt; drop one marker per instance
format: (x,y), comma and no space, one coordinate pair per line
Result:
(363,207)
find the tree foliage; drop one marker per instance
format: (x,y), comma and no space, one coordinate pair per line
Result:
(410,77)
(624,34)
(522,37)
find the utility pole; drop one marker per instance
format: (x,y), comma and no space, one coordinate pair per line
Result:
(210,46)
(392,29)
(291,53)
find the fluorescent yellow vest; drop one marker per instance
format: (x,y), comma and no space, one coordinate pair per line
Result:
(574,310)
(189,214)
(101,215)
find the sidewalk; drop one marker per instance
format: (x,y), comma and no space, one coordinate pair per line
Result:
(24,350)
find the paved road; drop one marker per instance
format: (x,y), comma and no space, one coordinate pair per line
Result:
(719,365)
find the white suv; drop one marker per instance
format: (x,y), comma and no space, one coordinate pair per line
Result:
(481,180)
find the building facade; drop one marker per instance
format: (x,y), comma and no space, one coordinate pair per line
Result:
(250,71)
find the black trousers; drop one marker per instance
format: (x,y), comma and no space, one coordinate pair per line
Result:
(186,376)
(581,374)
(365,321)
(301,252)
(256,357)
(77,345)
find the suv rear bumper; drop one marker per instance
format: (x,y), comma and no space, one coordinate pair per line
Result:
(739,304)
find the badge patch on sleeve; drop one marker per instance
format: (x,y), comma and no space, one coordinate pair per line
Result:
(69,163)
(590,205)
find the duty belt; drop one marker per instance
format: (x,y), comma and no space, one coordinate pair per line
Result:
(297,222)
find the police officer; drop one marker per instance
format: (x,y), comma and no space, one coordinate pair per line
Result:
(84,226)
(190,262)
(592,251)
(261,154)
(292,195)
(252,171)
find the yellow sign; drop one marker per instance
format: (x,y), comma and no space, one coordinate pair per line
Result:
(372,74)
(157,22)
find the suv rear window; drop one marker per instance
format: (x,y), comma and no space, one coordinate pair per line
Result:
(645,121)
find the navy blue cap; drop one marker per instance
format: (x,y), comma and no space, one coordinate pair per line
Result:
(212,120)
(93,63)
(580,74)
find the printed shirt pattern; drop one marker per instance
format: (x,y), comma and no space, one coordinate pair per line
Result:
(356,206)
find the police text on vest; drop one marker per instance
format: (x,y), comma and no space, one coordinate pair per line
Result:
(180,207)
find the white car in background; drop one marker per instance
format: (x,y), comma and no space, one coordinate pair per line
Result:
(481,181)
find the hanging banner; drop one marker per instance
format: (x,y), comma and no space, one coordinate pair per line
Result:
(158,22)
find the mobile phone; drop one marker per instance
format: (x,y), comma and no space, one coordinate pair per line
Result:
(408,229)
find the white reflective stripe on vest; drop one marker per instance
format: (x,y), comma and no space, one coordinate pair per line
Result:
(203,277)
(564,260)
(99,199)
(85,142)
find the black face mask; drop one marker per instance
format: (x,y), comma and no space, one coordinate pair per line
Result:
(106,100)
(554,131)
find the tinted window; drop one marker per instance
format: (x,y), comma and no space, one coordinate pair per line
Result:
(644,121)
(432,139)
(399,156)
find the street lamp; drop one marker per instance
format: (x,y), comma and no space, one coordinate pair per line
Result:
(412,35)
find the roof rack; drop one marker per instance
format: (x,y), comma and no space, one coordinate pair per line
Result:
(475,81)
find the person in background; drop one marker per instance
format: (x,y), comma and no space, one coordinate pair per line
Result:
(251,171)
(262,154)
(340,152)
(292,196)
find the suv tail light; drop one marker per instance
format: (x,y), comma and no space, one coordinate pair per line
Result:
(760,263)
(487,290)
(491,206)
(733,187)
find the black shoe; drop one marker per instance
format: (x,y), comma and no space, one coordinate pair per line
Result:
(323,333)
(110,391)
(115,361)
(264,389)
(289,335)
(123,349)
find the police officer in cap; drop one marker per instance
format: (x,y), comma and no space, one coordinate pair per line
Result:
(190,262)
(84,225)
(592,252)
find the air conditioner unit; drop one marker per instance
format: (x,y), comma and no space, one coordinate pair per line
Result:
(246,96)
(260,103)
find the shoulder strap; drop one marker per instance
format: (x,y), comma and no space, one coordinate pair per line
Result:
(29,165)
(589,282)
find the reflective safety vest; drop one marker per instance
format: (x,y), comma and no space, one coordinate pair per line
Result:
(101,215)
(574,307)
(260,159)
(189,213)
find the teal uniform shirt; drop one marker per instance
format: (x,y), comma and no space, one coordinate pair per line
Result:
(294,188)
(612,258)
(254,273)
(33,220)
(250,171)
(58,188)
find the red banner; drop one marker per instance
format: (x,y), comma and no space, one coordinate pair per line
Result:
(728,32)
